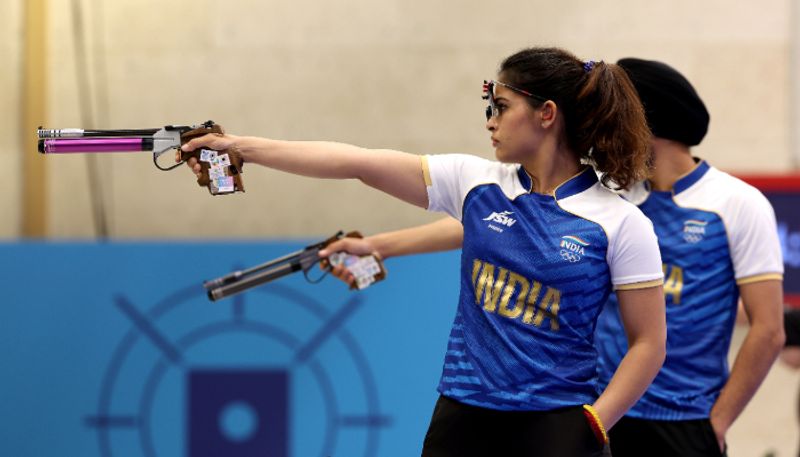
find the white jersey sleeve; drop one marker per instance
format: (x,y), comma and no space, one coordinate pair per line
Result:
(755,248)
(633,256)
(450,177)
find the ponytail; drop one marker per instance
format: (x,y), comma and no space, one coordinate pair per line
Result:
(604,120)
(611,127)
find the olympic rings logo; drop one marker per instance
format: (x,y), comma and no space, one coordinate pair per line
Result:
(570,256)
(692,238)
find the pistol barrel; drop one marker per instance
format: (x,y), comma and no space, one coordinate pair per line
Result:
(82,133)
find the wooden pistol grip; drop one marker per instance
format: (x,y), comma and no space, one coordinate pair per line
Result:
(235,168)
(382,274)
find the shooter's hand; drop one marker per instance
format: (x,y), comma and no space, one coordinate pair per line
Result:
(213,141)
(214,158)
(354,246)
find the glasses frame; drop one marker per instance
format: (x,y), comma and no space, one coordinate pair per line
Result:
(488,94)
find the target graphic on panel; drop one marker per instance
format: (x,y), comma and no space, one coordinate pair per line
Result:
(273,372)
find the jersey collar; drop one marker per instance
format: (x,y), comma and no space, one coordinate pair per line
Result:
(524,179)
(686,181)
(585,179)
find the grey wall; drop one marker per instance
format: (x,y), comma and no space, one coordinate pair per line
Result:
(396,74)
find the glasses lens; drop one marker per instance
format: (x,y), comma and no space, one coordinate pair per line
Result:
(488,94)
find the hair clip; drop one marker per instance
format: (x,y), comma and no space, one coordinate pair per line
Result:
(588,66)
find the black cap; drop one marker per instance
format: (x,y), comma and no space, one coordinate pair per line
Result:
(673,108)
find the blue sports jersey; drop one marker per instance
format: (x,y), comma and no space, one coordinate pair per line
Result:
(714,231)
(535,272)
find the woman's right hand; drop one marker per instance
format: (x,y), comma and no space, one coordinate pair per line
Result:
(353,246)
(213,141)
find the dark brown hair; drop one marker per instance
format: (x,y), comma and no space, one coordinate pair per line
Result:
(604,120)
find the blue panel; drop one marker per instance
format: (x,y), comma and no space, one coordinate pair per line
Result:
(238,413)
(101,343)
(786,211)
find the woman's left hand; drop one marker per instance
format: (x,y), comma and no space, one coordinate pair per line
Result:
(719,431)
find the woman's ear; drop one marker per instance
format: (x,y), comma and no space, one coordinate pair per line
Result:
(549,112)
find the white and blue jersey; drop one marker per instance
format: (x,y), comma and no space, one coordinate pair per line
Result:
(715,232)
(535,272)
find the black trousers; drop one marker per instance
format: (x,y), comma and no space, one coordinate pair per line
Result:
(640,437)
(459,430)
(791,325)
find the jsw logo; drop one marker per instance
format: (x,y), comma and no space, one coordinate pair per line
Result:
(502,218)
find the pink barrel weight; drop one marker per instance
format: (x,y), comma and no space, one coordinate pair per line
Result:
(63,146)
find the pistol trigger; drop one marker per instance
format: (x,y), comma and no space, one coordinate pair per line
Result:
(156,155)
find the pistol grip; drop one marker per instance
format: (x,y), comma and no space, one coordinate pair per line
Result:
(222,170)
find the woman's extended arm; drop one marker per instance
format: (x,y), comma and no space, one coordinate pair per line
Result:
(397,173)
(644,318)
